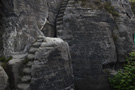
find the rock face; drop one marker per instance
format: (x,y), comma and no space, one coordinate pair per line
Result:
(25,20)
(52,68)
(3,79)
(97,41)
(126,24)
(14,68)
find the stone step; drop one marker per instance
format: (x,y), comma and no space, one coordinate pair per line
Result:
(23,86)
(27,71)
(60,30)
(58,27)
(29,64)
(59,23)
(63,5)
(40,40)
(62,8)
(62,11)
(61,15)
(26,78)
(33,50)
(60,34)
(36,44)
(31,56)
(41,37)
(49,48)
(59,19)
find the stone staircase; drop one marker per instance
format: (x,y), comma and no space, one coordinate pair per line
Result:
(59,20)
(25,79)
(61,32)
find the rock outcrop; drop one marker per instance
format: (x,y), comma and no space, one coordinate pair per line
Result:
(52,69)
(98,41)
(3,79)
(25,20)
(126,29)
(13,69)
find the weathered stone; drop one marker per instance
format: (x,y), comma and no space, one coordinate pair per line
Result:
(52,69)
(26,78)
(31,56)
(23,86)
(37,44)
(29,64)
(125,24)
(89,35)
(25,21)
(3,79)
(97,41)
(14,66)
(41,37)
(40,40)
(33,50)
(27,70)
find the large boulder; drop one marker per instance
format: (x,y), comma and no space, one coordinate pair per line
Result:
(3,79)
(52,69)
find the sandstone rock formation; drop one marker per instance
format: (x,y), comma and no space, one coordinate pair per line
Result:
(24,21)
(48,66)
(3,79)
(98,40)
(52,69)
(13,69)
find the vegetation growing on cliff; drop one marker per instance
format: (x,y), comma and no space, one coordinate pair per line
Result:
(125,79)
(110,9)
(4,61)
(97,4)
(133,5)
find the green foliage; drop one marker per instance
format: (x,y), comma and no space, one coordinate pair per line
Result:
(110,9)
(125,79)
(133,6)
(4,59)
(132,0)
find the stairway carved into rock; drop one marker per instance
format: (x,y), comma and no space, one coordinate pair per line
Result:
(25,78)
(59,20)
